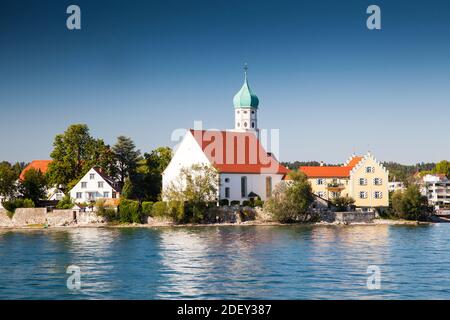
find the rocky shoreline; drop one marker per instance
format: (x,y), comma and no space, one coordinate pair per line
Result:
(39,218)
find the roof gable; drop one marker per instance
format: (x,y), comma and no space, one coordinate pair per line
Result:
(236,152)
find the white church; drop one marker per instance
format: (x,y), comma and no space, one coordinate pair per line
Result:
(245,169)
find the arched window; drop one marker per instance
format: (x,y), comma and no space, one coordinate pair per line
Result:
(238,124)
(243,187)
(253,124)
(268,187)
(245,124)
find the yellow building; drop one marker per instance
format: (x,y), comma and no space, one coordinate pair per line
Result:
(362,178)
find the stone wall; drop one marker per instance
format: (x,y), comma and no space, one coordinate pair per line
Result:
(29,216)
(5,221)
(57,218)
(347,217)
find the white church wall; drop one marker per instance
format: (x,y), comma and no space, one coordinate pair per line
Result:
(255,183)
(187,154)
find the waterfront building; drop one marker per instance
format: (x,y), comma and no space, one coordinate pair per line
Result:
(362,178)
(245,169)
(396,186)
(436,187)
(93,186)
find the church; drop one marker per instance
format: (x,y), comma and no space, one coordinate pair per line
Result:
(246,170)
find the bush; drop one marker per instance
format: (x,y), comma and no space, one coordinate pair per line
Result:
(129,211)
(247,203)
(13,204)
(247,214)
(147,207)
(258,203)
(159,209)
(290,202)
(343,203)
(65,203)
(235,203)
(224,202)
(410,204)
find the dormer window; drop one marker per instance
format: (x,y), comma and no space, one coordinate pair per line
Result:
(92,176)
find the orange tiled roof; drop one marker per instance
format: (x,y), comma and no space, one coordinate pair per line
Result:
(330,171)
(236,152)
(41,165)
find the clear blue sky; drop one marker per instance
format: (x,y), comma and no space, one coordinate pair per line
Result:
(145,68)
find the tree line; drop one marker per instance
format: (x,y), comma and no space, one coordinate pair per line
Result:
(74,153)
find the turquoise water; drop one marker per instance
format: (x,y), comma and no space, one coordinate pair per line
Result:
(263,262)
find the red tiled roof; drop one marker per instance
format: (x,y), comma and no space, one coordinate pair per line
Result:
(236,152)
(354,161)
(326,171)
(41,165)
(330,171)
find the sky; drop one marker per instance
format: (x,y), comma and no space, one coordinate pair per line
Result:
(145,68)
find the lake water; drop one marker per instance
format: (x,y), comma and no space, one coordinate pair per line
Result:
(247,262)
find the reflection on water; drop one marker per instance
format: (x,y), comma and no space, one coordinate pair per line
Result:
(273,262)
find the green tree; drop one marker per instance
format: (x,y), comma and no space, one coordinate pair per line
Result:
(33,185)
(342,203)
(8,178)
(189,196)
(75,152)
(410,204)
(290,201)
(443,167)
(126,158)
(65,203)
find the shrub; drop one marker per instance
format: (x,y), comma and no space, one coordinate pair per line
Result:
(13,204)
(258,203)
(410,204)
(290,202)
(343,203)
(159,209)
(65,203)
(235,203)
(246,203)
(147,207)
(224,202)
(129,211)
(247,214)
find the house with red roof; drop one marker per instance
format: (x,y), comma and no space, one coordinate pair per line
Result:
(53,193)
(362,178)
(246,170)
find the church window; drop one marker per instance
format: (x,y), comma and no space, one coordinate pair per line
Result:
(245,124)
(268,187)
(253,111)
(245,112)
(243,187)
(253,124)
(227,180)
(238,124)
(227,192)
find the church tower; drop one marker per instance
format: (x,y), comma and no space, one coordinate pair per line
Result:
(246,108)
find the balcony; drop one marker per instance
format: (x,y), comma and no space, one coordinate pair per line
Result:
(335,187)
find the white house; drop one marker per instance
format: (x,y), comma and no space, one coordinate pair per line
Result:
(396,186)
(436,187)
(94,185)
(245,169)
